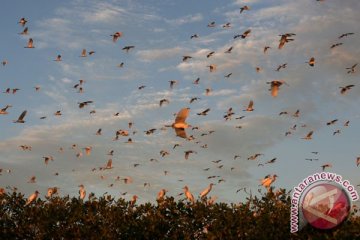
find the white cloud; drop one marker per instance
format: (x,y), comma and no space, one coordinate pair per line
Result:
(160,54)
(186,19)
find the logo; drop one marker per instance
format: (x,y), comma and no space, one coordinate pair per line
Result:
(325,206)
(322,200)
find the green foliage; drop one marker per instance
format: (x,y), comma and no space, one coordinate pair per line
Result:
(265,217)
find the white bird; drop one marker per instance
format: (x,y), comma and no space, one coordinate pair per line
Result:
(32,198)
(268,180)
(206,191)
(161,194)
(82,191)
(180,125)
(188,194)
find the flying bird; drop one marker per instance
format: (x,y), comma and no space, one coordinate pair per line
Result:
(345,35)
(187,154)
(351,69)
(83,104)
(266,48)
(311,62)
(83,53)
(3,110)
(108,164)
(268,180)
(246,33)
(250,106)
(21,118)
(172,83)
(32,179)
(335,45)
(22,21)
(58,58)
(212,67)
(229,49)
(162,101)
(180,125)
(116,36)
(255,156)
(308,136)
(185,58)
(327,165)
(346,89)
(275,86)
(210,54)
(204,113)
(244,8)
(47,159)
(212,24)
(128,48)
(285,39)
(30,43)
(194,99)
(331,122)
(25,31)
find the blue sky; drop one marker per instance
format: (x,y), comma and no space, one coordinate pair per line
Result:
(160,32)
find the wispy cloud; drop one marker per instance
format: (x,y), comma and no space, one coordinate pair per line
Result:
(185,19)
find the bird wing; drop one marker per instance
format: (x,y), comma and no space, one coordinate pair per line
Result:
(182,115)
(21,117)
(310,134)
(251,103)
(180,132)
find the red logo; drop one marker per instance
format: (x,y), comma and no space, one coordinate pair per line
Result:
(325,206)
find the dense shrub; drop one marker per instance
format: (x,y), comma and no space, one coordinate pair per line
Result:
(266,217)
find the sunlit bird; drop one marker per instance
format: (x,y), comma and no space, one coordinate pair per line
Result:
(268,180)
(188,194)
(311,62)
(250,106)
(32,198)
(82,191)
(285,39)
(275,86)
(206,191)
(180,125)
(161,194)
(4,110)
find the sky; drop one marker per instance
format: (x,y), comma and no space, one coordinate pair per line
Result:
(160,32)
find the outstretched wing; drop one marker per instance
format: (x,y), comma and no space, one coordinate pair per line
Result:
(180,132)
(182,115)
(21,117)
